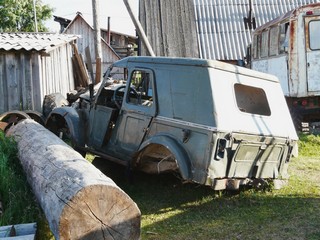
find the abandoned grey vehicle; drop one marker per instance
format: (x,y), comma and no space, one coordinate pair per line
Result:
(216,124)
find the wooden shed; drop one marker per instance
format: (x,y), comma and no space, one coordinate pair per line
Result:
(81,27)
(33,65)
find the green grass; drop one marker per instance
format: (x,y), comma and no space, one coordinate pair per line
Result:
(19,203)
(17,199)
(173,210)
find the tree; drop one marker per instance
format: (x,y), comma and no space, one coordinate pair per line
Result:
(18,15)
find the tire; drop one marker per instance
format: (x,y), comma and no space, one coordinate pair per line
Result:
(52,101)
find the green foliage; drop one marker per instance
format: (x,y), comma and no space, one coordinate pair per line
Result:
(17,199)
(18,15)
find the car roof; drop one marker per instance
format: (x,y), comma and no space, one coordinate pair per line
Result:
(196,62)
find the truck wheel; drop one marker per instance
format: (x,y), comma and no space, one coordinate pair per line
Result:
(36,116)
(11,118)
(57,125)
(52,101)
(156,159)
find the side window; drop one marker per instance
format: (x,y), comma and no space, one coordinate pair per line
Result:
(256,46)
(141,88)
(264,44)
(252,100)
(274,41)
(314,35)
(284,38)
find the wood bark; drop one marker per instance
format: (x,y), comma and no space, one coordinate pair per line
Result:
(79,201)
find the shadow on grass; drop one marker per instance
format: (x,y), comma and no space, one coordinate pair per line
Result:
(173,210)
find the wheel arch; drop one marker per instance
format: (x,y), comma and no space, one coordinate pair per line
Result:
(176,149)
(71,118)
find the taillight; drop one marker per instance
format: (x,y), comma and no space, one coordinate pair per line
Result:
(304,102)
(309,13)
(221,148)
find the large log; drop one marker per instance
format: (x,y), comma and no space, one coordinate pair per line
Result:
(78,200)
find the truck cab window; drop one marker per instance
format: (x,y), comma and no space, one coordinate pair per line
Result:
(274,41)
(314,35)
(141,88)
(264,44)
(284,38)
(256,46)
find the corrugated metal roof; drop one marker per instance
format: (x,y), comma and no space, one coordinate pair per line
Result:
(33,41)
(220,26)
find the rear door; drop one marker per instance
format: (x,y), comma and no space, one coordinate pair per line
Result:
(312,28)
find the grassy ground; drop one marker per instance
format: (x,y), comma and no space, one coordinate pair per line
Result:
(172,210)
(18,202)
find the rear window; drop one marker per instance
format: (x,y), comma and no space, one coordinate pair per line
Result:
(252,100)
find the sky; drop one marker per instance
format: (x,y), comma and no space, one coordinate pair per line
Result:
(120,20)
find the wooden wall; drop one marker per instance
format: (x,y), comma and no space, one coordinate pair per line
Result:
(80,27)
(170,27)
(26,77)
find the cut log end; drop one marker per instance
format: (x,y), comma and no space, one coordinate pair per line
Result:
(104,212)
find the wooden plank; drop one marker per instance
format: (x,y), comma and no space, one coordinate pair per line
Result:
(18,231)
(83,70)
(28,82)
(89,64)
(12,79)
(38,84)
(4,101)
(70,67)
(98,71)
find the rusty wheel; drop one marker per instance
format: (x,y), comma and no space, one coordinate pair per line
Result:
(11,118)
(36,116)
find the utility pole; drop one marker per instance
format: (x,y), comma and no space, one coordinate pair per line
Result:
(97,35)
(35,16)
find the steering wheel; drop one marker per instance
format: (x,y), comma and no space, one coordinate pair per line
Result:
(117,98)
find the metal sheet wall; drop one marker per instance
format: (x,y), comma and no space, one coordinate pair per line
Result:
(221,31)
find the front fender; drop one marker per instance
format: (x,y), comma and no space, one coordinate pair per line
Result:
(176,149)
(72,119)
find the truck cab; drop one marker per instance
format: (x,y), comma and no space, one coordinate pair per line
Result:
(211,122)
(289,48)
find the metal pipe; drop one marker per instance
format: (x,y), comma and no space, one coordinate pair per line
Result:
(109,31)
(35,16)
(139,29)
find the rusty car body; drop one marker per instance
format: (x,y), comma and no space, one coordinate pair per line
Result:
(212,122)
